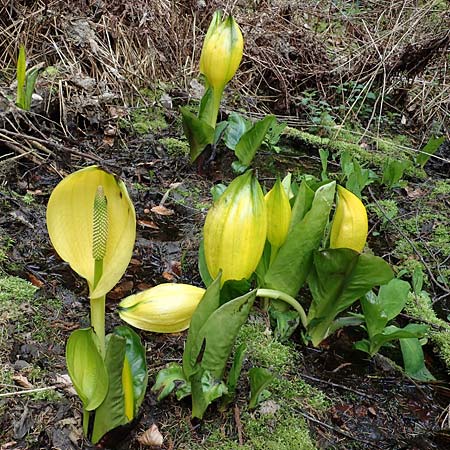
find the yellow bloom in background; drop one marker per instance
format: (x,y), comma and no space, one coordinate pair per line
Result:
(350,226)
(72,226)
(278,215)
(235,230)
(222,51)
(166,308)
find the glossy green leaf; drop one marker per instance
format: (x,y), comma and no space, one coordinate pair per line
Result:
(215,340)
(429,150)
(338,278)
(205,389)
(208,304)
(389,334)
(260,378)
(111,413)
(393,171)
(30,82)
(285,322)
(219,131)
(86,368)
(252,139)
(237,126)
(234,288)
(167,380)
(289,270)
(198,133)
(135,354)
(413,360)
(302,204)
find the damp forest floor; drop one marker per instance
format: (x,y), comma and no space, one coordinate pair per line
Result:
(327,397)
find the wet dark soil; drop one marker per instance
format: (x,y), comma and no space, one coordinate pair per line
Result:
(374,405)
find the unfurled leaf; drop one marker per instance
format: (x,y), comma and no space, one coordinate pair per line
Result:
(198,132)
(237,126)
(429,150)
(252,139)
(111,413)
(413,360)
(288,272)
(338,278)
(167,379)
(86,368)
(260,378)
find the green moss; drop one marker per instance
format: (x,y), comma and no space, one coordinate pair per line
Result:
(421,307)
(442,187)
(14,291)
(175,147)
(145,121)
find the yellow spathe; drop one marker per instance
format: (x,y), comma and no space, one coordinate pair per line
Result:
(278,215)
(350,226)
(70,226)
(235,230)
(222,51)
(166,308)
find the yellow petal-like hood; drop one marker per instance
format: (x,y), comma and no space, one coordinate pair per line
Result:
(70,225)
(278,215)
(235,230)
(166,308)
(350,226)
(222,51)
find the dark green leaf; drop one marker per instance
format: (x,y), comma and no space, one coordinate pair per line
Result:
(232,289)
(285,323)
(205,389)
(208,304)
(167,379)
(303,202)
(324,161)
(219,131)
(260,378)
(430,149)
(348,321)
(393,296)
(338,278)
(413,360)
(216,338)
(238,167)
(111,413)
(198,133)
(263,264)
(393,171)
(86,368)
(233,375)
(237,126)
(289,270)
(375,317)
(252,139)
(393,333)
(135,353)
(217,190)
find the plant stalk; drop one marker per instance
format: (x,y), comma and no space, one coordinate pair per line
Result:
(278,295)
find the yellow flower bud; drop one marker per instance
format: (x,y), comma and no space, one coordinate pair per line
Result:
(235,230)
(350,227)
(222,51)
(166,308)
(278,215)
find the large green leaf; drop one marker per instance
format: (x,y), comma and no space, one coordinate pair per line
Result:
(135,354)
(252,139)
(260,378)
(198,133)
(214,341)
(303,202)
(338,278)
(111,413)
(237,126)
(413,360)
(289,270)
(208,304)
(86,368)
(380,309)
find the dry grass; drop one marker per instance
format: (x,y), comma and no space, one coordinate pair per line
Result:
(110,51)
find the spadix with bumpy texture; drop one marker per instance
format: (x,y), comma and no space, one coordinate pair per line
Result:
(278,215)
(166,308)
(90,218)
(350,226)
(222,51)
(235,230)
